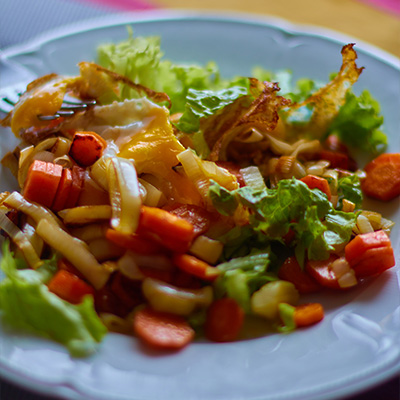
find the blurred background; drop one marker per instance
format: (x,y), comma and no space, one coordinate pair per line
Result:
(376,22)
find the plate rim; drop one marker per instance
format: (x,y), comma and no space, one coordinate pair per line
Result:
(117,19)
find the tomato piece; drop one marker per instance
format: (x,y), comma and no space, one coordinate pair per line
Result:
(196,215)
(224,320)
(322,272)
(291,271)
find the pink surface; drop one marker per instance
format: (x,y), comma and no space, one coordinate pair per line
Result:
(125,4)
(387,5)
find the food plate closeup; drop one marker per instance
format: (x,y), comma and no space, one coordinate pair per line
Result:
(357,344)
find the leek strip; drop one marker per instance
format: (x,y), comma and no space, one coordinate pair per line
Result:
(21,240)
(75,251)
(168,298)
(124,193)
(85,214)
(35,211)
(253,178)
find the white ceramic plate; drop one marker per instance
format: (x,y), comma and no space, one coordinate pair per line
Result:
(358,343)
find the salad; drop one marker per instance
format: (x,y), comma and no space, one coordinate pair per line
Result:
(179,203)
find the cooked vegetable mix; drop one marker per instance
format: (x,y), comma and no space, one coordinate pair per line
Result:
(180,203)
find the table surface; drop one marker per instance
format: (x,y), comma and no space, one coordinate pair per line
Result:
(374,21)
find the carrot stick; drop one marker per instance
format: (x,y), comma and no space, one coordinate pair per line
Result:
(63,190)
(42,182)
(224,320)
(175,233)
(136,243)
(356,248)
(383,177)
(86,148)
(69,287)
(196,267)
(316,182)
(162,330)
(308,314)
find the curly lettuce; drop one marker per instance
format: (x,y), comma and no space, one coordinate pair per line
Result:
(26,304)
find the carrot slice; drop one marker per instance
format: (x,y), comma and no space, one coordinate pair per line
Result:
(224,320)
(86,148)
(316,182)
(69,287)
(63,191)
(196,267)
(42,182)
(78,176)
(162,330)
(308,314)
(291,271)
(383,177)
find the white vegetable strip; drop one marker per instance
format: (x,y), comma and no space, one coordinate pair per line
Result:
(35,211)
(124,193)
(75,251)
(21,240)
(167,298)
(253,178)
(85,214)
(206,249)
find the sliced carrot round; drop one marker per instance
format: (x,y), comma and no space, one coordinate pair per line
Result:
(162,330)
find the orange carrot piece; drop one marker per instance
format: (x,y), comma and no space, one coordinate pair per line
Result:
(224,320)
(316,182)
(291,271)
(196,267)
(86,148)
(78,176)
(308,314)
(383,177)
(42,182)
(167,226)
(63,191)
(162,330)
(356,248)
(136,243)
(69,287)
(374,261)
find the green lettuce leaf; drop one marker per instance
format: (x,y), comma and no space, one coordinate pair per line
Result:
(358,123)
(141,60)
(349,188)
(292,205)
(204,103)
(242,276)
(28,305)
